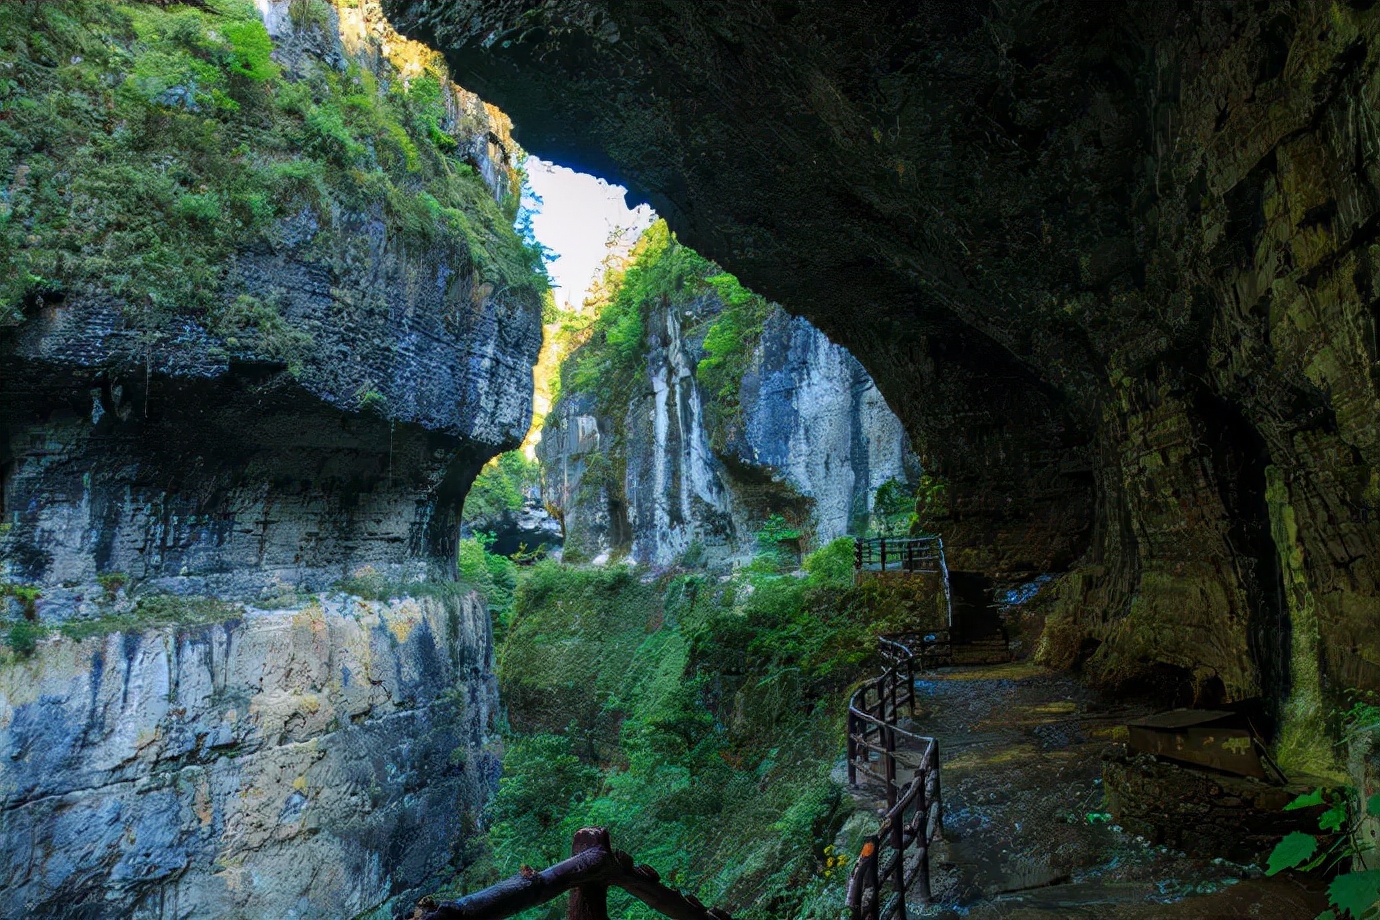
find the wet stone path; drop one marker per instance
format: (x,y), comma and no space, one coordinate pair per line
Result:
(1025,834)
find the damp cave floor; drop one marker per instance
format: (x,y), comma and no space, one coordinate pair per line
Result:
(1021,752)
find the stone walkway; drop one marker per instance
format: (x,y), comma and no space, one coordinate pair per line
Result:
(1025,834)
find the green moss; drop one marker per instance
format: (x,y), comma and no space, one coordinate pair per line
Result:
(371,585)
(153,612)
(144,145)
(251,323)
(1304,745)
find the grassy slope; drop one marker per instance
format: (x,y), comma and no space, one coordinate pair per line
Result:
(141,146)
(698,719)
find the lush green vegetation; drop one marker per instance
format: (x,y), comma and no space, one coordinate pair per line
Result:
(501,486)
(493,576)
(893,509)
(662,272)
(931,504)
(142,145)
(698,719)
(730,340)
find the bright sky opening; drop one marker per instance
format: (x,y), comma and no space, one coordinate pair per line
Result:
(577,213)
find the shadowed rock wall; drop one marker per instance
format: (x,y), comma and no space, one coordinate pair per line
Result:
(1126,250)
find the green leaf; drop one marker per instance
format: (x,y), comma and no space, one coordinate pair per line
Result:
(1334,818)
(1373,806)
(1326,915)
(1307,800)
(1291,851)
(1356,892)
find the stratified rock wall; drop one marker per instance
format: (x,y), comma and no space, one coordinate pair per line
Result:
(812,440)
(309,762)
(814,417)
(341,431)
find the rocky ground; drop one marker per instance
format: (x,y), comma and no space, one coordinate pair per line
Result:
(1025,829)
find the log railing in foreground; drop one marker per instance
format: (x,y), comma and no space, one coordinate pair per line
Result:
(593,868)
(914,815)
(893,859)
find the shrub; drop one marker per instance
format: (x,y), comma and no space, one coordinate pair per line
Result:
(111,583)
(22,637)
(26,595)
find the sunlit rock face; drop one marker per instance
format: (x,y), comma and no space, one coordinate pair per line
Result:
(1113,265)
(671,480)
(308,762)
(201,462)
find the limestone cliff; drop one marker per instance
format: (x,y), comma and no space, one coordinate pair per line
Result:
(264,316)
(362,350)
(1126,252)
(315,761)
(688,464)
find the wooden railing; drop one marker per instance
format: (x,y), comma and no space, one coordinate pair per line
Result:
(593,867)
(899,554)
(896,856)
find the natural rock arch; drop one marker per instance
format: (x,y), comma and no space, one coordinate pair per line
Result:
(1112,264)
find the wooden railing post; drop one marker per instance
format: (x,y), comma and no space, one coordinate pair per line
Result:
(922,839)
(875,884)
(889,742)
(898,843)
(852,752)
(589,902)
(882,544)
(910,683)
